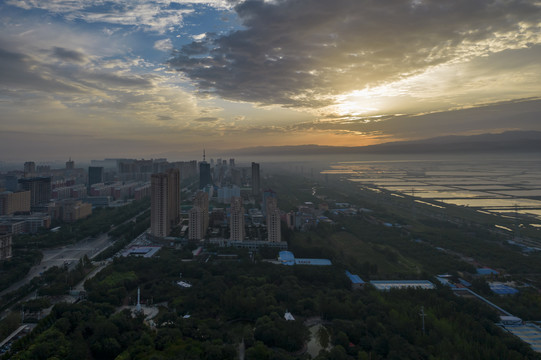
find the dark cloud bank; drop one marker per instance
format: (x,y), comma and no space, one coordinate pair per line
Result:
(299,53)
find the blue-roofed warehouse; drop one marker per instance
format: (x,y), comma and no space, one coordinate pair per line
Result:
(445,282)
(287,258)
(356,281)
(386,285)
(319,262)
(487,271)
(502,289)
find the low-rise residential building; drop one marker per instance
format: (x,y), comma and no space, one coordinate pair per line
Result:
(76,210)
(21,224)
(13,202)
(5,246)
(70,210)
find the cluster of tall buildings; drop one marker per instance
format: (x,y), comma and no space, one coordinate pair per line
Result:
(234,185)
(30,198)
(142,170)
(222,174)
(222,182)
(238,219)
(25,210)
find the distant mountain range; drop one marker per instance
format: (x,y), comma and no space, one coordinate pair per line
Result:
(510,141)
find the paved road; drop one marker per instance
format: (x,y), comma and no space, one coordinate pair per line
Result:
(57,257)
(70,254)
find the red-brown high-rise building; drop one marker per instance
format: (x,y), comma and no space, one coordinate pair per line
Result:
(164,202)
(237,219)
(273,220)
(199,216)
(173,199)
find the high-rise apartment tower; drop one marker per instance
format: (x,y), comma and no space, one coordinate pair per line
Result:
(95,176)
(199,216)
(255,179)
(204,173)
(39,187)
(237,219)
(164,202)
(273,220)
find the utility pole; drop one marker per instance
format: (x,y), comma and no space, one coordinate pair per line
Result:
(517,226)
(413,201)
(422,314)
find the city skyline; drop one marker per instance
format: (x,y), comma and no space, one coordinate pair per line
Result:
(94,79)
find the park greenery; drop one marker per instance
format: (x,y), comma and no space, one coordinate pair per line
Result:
(19,265)
(55,281)
(234,302)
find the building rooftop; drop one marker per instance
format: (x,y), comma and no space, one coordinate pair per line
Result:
(384,285)
(184,284)
(145,251)
(320,262)
(502,289)
(487,271)
(355,279)
(529,333)
(445,281)
(288,316)
(287,258)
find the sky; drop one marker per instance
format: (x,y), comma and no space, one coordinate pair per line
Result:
(90,79)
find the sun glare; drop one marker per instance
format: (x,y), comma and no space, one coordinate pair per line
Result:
(366,101)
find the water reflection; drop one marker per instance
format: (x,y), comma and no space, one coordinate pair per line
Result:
(495,186)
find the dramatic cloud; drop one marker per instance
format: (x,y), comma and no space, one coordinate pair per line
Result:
(303,53)
(28,71)
(503,116)
(20,71)
(89,94)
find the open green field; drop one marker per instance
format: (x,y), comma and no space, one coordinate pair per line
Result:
(351,251)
